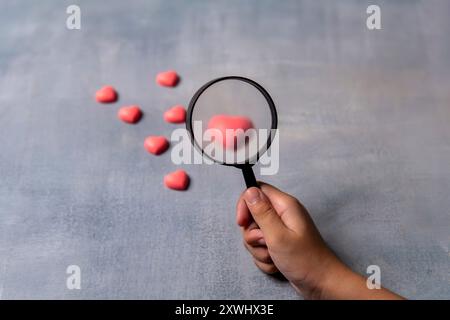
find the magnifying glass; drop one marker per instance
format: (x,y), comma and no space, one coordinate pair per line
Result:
(232,121)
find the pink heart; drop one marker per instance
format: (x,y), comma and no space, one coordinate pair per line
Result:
(167,78)
(176,114)
(177,180)
(130,114)
(223,122)
(106,94)
(156,144)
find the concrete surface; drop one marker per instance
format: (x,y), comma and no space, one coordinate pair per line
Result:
(365,143)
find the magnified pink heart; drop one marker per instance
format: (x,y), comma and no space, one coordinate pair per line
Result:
(224,123)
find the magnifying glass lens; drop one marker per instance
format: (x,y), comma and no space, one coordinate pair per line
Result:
(231,121)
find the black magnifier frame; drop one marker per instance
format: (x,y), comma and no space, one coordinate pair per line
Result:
(246,167)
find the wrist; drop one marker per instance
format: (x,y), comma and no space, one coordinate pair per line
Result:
(323,279)
(336,276)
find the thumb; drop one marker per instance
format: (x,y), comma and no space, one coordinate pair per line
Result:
(264,214)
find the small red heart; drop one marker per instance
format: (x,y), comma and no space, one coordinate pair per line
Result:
(130,114)
(176,114)
(106,94)
(223,122)
(167,78)
(156,144)
(177,180)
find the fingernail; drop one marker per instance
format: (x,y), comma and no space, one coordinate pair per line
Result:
(252,195)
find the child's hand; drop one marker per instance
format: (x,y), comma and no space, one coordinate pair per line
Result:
(281,236)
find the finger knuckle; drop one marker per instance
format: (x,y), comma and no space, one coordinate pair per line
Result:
(292,201)
(265,257)
(246,238)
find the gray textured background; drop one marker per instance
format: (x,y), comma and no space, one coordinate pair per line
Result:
(365,143)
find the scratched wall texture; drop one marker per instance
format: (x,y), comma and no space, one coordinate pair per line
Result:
(365,143)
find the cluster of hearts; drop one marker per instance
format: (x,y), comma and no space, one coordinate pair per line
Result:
(177,180)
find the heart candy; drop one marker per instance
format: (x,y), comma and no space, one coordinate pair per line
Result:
(106,94)
(222,123)
(176,114)
(167,78)
(177,180)
(129,114)
(156,144)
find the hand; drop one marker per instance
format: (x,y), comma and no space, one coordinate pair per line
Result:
(281,236)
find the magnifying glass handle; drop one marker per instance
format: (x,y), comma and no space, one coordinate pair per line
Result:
(249,177)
